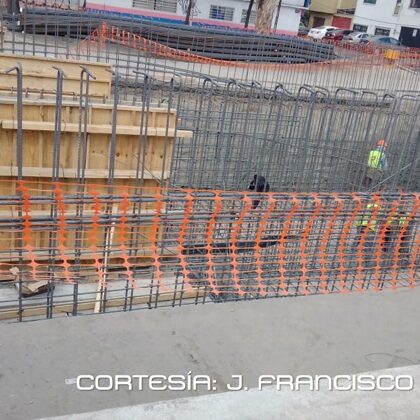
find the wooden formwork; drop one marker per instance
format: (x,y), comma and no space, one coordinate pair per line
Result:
(37,157)
(40,76)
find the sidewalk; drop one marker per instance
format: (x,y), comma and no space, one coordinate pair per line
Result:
(333,334)
(270,404)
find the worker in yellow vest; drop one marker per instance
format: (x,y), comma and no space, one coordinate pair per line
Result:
(367,228)
(367,221)
(377,163)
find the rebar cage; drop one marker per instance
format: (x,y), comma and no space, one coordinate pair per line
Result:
(136,196)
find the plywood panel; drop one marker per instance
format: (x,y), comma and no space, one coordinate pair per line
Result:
(39,74)
(38,146)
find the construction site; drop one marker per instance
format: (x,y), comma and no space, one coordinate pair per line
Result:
(129,148)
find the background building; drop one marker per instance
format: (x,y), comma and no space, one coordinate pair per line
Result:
(332,13)
(396,18)
(230,13)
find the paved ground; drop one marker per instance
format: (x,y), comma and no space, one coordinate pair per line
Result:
(364,72)
(274,404)
(333,334)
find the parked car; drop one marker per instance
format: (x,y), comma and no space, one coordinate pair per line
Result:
(357,38)
(321,31)
(303,29)
(338,34)
(386,42)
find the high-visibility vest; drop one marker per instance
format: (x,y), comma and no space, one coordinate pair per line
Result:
(400,219)
(366,219)
(374,160)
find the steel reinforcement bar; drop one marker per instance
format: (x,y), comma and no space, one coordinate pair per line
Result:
(142,248)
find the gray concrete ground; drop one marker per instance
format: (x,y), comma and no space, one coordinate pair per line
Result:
(286,404)
(333,334)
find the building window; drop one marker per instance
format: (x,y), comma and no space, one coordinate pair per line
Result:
(369,1)
(161,5)
(221,13)
(382,31)
(415,4)
(252,16)
(360,28)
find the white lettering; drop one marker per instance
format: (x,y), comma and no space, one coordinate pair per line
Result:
(368,380)
(156,383)
(337,378)
(100,387)
(238,386)
(79,383)
(123,380)
(265,380)
(177,383)
(384,387)
(285,380)
(400,378)
(319,378)
(304,380)
(201,380)
(140,379)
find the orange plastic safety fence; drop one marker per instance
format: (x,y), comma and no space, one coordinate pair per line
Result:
(106,33)
(228,245)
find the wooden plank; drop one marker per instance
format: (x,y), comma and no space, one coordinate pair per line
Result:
(44,93)
(67,63)
(37,158)
(44,110)
(38,213)
(143,253)
(71,173)
(38,310)
(41,69)
(71,86)
(109,238)
(96,129)
(95,105)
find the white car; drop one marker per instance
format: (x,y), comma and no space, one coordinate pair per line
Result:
(356,38)
(319,33)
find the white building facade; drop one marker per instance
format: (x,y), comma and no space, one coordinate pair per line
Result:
(229,13)
(396,18)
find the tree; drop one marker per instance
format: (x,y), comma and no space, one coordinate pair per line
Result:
(188,7)
(265,13)
(248,13)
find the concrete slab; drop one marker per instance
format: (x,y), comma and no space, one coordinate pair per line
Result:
(333,334)
(274,404)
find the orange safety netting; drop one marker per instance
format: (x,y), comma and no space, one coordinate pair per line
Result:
(128,39)
(370,48)
(216,240)
(113,34)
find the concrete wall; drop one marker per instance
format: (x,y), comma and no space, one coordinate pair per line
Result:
(324,6)
(327,9)
(346,4)
(288,21)
(331,6)
(381,15)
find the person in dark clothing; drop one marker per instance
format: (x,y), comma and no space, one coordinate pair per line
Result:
(258,184)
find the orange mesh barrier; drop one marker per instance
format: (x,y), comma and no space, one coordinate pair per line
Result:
(371,48)
(213,241)
(113,34)
(116,35)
